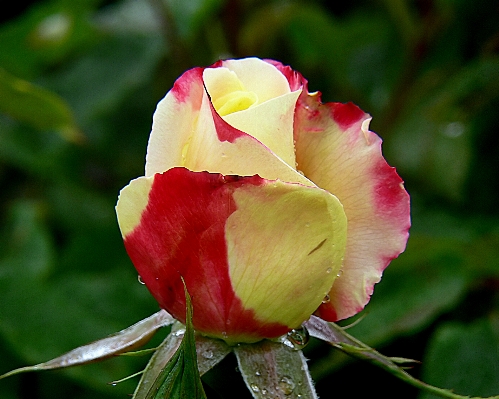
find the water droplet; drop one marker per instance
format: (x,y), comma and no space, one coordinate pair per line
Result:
(224,155)
(113,384)
(179,332)
(300,172)
(296,339)
(224,334)
(140,279)
(286,385)
(307,224)
(329,270)
(339,273)
(255,388)
(258,374)
(326,299)
(208,354)
(264,391)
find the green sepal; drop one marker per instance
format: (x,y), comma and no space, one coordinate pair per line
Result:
(339,339)
(180,377)
(116,344)
(274,370)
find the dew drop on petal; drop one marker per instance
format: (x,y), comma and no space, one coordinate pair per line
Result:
(340,273)
(140,279)
(258,374)
(326,299)
(329,270)
(297,339)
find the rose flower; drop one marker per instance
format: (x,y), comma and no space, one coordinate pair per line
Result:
(270,205)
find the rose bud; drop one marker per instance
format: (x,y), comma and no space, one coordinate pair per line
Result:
(269,204)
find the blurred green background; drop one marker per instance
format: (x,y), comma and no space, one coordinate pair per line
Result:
(79,81)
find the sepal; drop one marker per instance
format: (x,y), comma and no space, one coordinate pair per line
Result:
(274,370)
(339,339)
(120,342)
(180,376)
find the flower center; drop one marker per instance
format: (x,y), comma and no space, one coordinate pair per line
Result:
(228,93)
(235,101)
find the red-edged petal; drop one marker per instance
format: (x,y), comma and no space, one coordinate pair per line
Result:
(336,150)
(187,131)
(245,246)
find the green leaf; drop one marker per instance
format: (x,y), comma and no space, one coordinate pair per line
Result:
(274,370)
(36,106)
(433,140)
(189,15)
(180,377)
(463,358)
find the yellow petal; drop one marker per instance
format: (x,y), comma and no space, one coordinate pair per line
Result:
(285,246)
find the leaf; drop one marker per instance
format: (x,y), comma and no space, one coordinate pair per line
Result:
(125,340)
(339,339)
(180,377)
(37,107)
(463,357)
(274,370)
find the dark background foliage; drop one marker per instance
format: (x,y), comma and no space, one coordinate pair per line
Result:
(79,81)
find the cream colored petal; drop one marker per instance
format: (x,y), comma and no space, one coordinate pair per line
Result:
(132,201)
(271,123)
(336,150)
(259,77)
(216,146)
(174,122)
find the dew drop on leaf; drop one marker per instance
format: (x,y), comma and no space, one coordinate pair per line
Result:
(255,388)
(286,385)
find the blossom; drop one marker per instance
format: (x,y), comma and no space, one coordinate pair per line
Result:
(270,205)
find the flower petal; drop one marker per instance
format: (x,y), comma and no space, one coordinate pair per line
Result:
(285,247)
(335,149)
(187,131)
(229,238)
(271,123)
(260,77)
